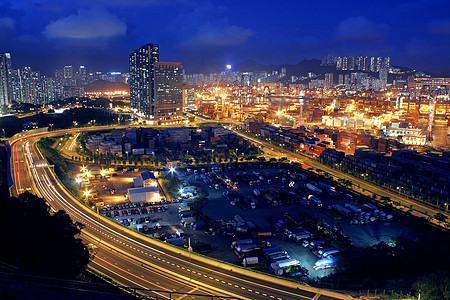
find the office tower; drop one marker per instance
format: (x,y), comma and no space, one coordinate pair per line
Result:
(169,92)
(82,76)
(328,83)
(142,80)
(68,76)
(5,93)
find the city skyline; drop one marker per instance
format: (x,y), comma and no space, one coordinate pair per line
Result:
(101,34)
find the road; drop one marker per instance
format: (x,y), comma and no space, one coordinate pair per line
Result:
(418,208)
(135,260)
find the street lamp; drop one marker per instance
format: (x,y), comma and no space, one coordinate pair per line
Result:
(51,126)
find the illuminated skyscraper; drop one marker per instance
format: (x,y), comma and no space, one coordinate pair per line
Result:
(169,92)
(5,93)
(142,80)
(156,91)
(328,82)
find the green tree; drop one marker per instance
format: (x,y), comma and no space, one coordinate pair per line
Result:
(39,242)
(434,286)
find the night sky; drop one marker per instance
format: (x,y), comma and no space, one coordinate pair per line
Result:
(49,34)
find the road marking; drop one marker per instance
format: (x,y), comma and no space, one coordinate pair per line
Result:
(187,294)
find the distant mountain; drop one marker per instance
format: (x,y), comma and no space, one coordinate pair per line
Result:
(302,68)
(106,86)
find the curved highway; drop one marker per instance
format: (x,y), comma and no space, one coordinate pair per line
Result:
(137,261)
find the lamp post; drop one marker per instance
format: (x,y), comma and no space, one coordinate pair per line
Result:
(86,194)
(51,126)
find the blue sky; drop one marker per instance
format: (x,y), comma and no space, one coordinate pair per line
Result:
(47,34)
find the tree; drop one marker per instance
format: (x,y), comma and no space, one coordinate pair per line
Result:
(434,286)
(37,242)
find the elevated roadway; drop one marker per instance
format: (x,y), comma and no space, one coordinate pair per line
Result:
(135,260)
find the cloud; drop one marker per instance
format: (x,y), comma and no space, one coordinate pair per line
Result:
(7,22)
(209,26)
(219,35)
(86,24)
(360,29)
(439,27)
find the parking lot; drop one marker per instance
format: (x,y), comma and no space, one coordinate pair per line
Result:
(229,191)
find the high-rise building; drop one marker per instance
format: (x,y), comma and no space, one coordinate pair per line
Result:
(373,64)
(5,91)
(328,82)
(156,88)
(362,63)
(379,63)
(345,63)
(82,76)
(68,76)
(383,76)
(8,60)
(338,63)
(142,80)
(351,63)
(169,92)
(387,62)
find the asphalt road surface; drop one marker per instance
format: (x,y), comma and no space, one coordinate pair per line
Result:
(137,261)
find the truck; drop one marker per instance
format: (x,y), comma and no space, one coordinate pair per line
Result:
(289,267)
(315,200)
(252,202)
(273,252)
(184,208)
(348,197)
(184,214)
(187,221)
(341,210)
(325,250)
(179,241)
(271,199)
(199,225)
(325,263)
(331,253)
(250,261)
(299,237)
(353,208)
(328,188)
(238,244)
(298,176)
(279,225)
(201,247)
(313,189)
